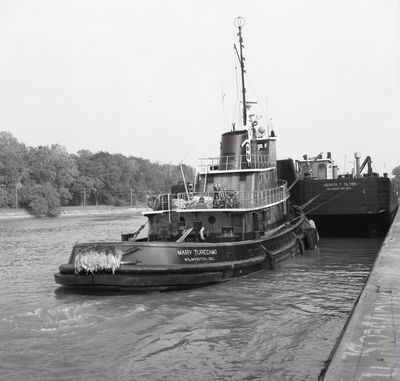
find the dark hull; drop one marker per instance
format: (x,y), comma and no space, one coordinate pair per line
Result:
(349,206)
(128,279)
(149,266)
(360,225)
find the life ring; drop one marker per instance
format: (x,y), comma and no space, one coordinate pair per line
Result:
(217,201)
(231,200)
(154,202)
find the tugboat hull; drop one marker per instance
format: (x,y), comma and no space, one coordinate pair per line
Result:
(135,282)
(149,266)
(235,219)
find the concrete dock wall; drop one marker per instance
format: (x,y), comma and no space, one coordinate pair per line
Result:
(370,346)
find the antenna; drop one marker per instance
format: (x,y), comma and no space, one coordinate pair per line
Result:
(268,118)
(223,105)
(239,23)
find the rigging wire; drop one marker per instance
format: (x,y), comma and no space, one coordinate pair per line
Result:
(258,100)
(203,131)
(223,104)
(237,103)
(329,200)
(318,206)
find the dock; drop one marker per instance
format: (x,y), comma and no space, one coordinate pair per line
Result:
(369,348)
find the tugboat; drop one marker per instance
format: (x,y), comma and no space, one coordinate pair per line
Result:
(356,203)
(235,219)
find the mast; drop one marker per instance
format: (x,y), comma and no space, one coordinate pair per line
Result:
(239,23)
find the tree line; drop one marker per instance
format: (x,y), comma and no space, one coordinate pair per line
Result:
(396,178)
(43,179)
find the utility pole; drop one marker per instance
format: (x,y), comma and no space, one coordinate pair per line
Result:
(18,185)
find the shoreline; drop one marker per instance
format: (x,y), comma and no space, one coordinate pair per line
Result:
(74,211)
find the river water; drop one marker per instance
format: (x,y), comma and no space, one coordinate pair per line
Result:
(271,325)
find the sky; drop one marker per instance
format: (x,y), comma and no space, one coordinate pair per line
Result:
(157,79)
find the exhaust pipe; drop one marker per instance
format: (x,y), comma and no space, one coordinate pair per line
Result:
(357,157)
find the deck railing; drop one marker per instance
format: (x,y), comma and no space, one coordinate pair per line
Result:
(224,199)
(233,162)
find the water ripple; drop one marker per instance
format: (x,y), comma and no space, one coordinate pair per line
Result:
(278,325)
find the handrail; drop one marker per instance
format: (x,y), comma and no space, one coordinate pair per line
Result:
(221,199)
(233,162)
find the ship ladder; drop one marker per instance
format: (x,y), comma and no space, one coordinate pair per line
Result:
(184,235)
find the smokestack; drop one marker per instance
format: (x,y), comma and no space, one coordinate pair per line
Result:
(328,155)
(335,172)
(357,157)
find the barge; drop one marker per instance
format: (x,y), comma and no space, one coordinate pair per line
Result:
(356,203)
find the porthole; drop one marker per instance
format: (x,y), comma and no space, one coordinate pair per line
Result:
(212,220)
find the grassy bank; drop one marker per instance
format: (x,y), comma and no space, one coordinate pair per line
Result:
(70,211)
(101,209)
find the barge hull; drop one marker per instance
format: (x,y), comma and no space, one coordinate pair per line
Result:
(360,225)
(356,206)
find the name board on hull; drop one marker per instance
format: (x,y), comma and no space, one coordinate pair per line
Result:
(197,255)
(340,186)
